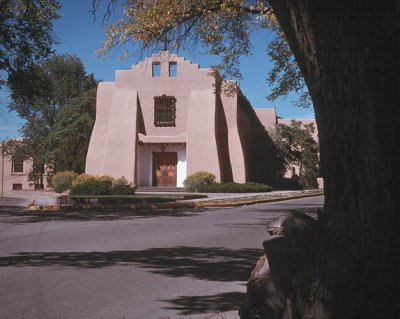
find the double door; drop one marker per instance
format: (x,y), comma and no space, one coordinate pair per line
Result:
(164,168)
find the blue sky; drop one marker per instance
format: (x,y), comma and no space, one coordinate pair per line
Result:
(78,34)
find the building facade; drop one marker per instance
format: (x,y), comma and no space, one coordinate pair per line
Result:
(162,120)
(14,176)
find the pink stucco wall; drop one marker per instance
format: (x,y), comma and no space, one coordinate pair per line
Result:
(267,117)
(201,146)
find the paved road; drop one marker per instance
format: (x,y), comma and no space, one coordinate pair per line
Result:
(165,264)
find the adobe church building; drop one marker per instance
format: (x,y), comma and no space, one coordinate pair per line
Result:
(162,121)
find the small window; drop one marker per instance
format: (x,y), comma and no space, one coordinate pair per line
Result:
(172,70)
(17,187)
(164,110)
(156,69)
(17,166)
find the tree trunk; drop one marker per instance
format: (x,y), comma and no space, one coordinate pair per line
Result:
(349,53)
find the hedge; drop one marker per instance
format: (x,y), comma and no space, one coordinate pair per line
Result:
(193,182)
(85,184)
(62,181)
(232,187)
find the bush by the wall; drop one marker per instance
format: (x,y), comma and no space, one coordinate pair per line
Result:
(288,183)
(85,184)
(192,182)
(234,188)
(121,186)
(122,190)
(63,181)
(86,177)
(92,187)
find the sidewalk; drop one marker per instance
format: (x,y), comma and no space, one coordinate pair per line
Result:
(232,314)
(29,198)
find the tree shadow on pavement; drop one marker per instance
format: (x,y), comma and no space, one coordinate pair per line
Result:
(214,263)
(284,207)
(191,305)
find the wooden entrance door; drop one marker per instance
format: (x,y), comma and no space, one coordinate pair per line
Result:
(164,169)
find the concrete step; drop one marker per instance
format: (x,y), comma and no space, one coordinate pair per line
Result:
(159,189)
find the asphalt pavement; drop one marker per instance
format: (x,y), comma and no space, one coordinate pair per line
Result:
(169,263)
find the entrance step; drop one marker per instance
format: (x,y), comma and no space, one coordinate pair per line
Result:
(159,189)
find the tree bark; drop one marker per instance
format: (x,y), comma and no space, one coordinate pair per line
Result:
(349,54)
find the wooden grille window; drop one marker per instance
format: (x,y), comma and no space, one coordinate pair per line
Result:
(164,110)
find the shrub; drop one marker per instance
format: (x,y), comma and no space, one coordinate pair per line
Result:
(82,178)
(92,187)
(232,187)
(288,184)
(85,184)
(122,190)
(121,186)
(192,182)
(257,187)
(63,181)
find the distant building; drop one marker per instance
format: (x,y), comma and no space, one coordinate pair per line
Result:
(14,175)
(162,121)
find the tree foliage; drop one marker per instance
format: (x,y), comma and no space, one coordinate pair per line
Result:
(297,148)
(285,76)
(40,91)
(53,98)
(25,33)
(222,27)
(67,143)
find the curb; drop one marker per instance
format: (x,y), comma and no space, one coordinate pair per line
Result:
(215,204)
(218,203)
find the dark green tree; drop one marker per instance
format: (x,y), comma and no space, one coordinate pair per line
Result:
(66,145)
(47,89)
(25,33)
(297,148)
